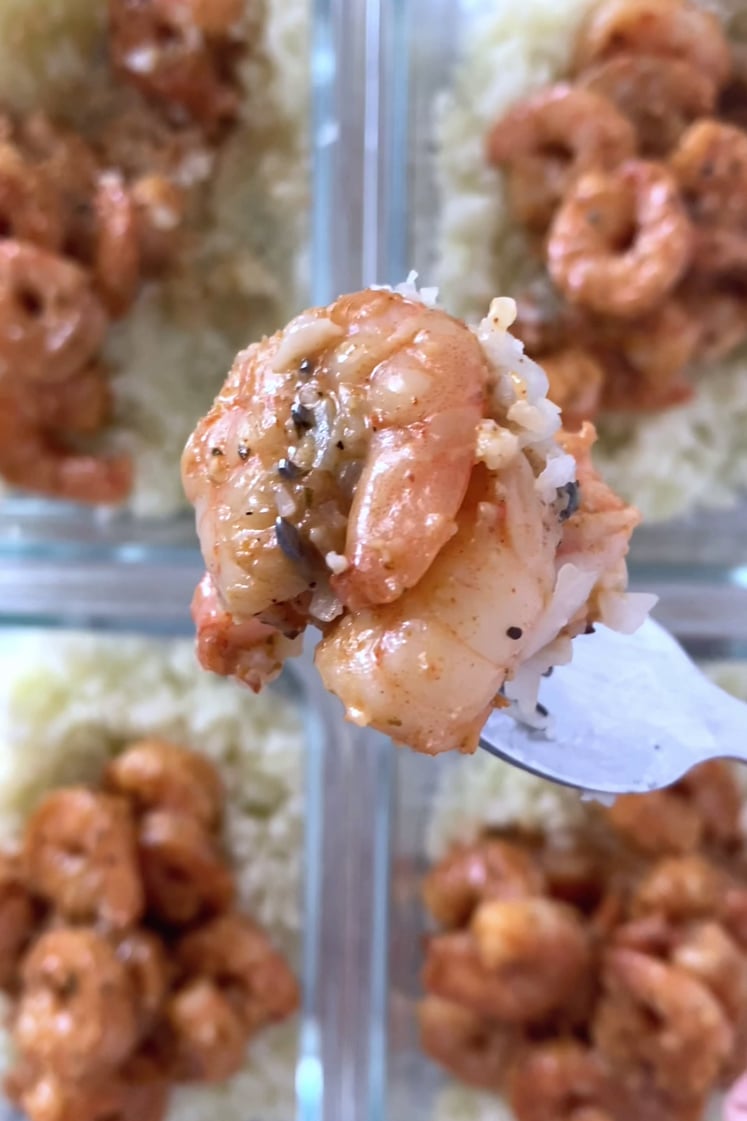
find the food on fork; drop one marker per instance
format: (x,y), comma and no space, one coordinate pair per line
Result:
(126,962)
(400,481)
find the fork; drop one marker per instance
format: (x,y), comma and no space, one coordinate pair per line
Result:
(630,714)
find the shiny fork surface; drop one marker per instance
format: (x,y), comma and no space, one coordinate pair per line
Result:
(631,713)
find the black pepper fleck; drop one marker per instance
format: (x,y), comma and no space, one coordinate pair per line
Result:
(289,470)
(302,417)
(216,451)
(548,672)
(541,710)
(305,367)
(590,629)
(572,496)
(340,445)
(244,452)
(514,632)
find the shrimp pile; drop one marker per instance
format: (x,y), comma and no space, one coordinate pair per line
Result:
(128,967)
(629,178)
(85,223)
(601,974)
(381,471)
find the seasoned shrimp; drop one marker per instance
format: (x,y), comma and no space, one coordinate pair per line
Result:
(710,167)
(598,533)
(79,406)
(159,214)
(17,919)
(209,1038)
(718,306)
(621,240)
(30,206)
(657,346)
(710,955)
(51,323)
(116,260)
(50,1098)
(184,874)
(178,54)
(250,651)
(488,869)
(712,788)
(144,957)
(474,1049)
(667,29)
(661,96)
(235,955)
(427,668)
(561,1081)
(657,1021)
(657,823)
(79,855)
(576,379)
(521,960)
(548,140)
(32,458)
(680,887)
(154,774)
(377,390)
(77,1009)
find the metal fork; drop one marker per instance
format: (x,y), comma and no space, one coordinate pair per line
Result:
(629,714)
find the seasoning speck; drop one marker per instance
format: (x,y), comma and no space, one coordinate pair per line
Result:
(289,470)
(541,710)
(340,445)
(514,632)
(216,451)
(590,629)
(244,452)
(571,494)
(302,417)
(305,367)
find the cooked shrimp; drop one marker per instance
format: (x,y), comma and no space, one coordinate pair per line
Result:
(488,869)
(574,872)
(427,668)
(598,533)
(657,346)
(661,96)
(17,919)
(710,955)
(79,855)
(51,323)
(710,167)
(50,1098)
(657,823)
(621,240)
(521,961)
(680,887)
(30,206)
(32,458)
(235,955)
(77,1009)
(184,874)
(116,263)
(398,388)
(474,1049)
(712,788)
(544,322)
(144,957)
(79,406)
(548,140)
(250,651)
(676,29)
(657,1021)
(576,379)
(155,774)
(718,306)
(159,212)
(176,56)
(209,1038)
(561,1081)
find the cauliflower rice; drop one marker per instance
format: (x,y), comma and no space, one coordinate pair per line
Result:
(689,456)
(486,792)
(68,703)
(246,271)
